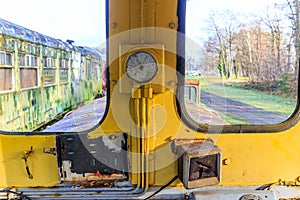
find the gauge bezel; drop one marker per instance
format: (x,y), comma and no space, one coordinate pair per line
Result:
(134,55)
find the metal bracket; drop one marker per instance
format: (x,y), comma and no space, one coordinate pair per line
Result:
(25,156)
(50,151)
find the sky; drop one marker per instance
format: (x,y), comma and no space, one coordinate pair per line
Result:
(80,20)
(198,11)
(84,20)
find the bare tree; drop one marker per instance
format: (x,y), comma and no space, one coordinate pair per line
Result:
(224,25)
(259,48)
(294,7)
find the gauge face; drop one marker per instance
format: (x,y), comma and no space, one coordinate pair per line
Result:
(141,67)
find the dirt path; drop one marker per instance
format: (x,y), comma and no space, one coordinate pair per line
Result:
(242,111)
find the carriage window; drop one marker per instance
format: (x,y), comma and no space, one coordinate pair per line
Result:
(96,70)
(2,58)
(8,60)
(63,63)
(6,71)
(246,60)
(48,62)
(88,68)
(49,71)
(22,60)
(5,58)
(28,77)
(45,62)
(6,82)
(27,61)
(29,72)
(64,71)
(31,61)
(190,93)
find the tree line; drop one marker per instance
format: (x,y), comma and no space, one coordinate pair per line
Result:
(262,47)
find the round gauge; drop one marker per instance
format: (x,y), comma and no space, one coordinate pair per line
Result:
(141,67)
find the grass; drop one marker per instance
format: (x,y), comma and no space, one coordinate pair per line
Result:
(276,104)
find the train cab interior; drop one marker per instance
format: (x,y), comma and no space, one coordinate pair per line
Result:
(193,106)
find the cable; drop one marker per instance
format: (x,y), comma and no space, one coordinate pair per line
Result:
(21,195)
(163,187)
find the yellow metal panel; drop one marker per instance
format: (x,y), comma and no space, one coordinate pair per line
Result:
(249,159)
(125,15)
(2,168)
(149,21)
(42,166)
(118,18)
(257,159)
(136,20)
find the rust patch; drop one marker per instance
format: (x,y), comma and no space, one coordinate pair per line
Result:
(95,180)
(95,184)
(290,199)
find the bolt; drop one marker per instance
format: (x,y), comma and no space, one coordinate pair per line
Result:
(115,25)
(151,156)
(171,83)
(112,137)
(227,161)
(172,25)
(188,196)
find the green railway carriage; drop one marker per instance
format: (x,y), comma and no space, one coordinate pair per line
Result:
(42,77)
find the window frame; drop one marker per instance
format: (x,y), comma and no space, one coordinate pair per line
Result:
(7,66)
(64,67)
(31,63)
(89,69)
(223,129)
(192,95)
(4,58)
(229,129)
(49,63)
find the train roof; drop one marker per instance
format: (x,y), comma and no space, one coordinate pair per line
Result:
(91,52)
(17,31)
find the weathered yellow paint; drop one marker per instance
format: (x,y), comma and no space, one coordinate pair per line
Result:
(258,159)
(132,14)
(252,159)
(42,166)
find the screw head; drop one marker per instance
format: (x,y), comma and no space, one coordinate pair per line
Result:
(172,25)
(114,25)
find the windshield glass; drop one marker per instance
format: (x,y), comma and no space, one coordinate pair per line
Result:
(51,68)
(245,55)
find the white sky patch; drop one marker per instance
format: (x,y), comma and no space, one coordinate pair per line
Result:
(84,20)
(78,20)
(198,12)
